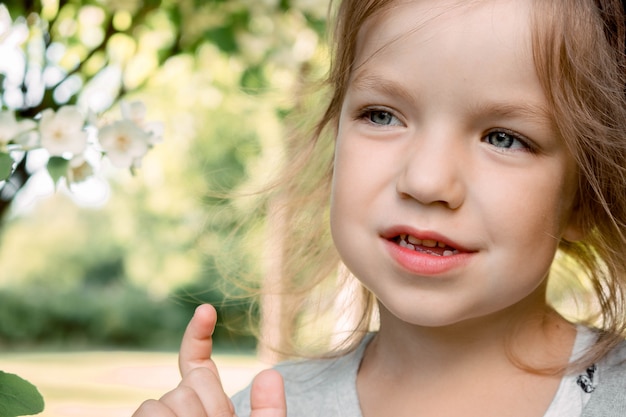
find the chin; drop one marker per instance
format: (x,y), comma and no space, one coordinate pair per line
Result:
(433,316)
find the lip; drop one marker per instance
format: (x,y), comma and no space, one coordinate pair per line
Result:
(422,263)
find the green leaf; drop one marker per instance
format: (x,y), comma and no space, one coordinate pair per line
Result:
(18,397)
(253,79)
(57,168)
(224,38)
(6,166)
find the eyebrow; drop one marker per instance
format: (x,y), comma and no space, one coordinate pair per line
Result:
(541,114)
(515,110)
(364,82)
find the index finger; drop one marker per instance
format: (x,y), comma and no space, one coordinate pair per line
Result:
(197,345)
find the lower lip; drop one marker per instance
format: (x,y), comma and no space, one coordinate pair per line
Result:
(420,263)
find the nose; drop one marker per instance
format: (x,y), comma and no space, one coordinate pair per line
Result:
(434,171)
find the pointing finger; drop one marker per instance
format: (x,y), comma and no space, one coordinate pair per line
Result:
(197,345)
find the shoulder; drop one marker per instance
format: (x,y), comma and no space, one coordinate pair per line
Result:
(612,369)
(324,387)
(312,388)
(609,397)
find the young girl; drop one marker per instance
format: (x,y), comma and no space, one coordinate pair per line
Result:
(473,139)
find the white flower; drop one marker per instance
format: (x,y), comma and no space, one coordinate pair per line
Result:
(135,111)
(28,140)
(11,33)
(5,21)
(124,142)
(155,132)
(62,132)
(79,169)
(11,129)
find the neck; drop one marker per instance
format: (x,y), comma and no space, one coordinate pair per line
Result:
(531,335)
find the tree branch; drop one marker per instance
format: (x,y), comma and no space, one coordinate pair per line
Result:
(11,187)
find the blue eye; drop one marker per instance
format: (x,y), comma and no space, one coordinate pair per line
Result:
(505,140)
(381,117)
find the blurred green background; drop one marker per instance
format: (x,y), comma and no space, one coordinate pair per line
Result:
(91,272)
(121,260)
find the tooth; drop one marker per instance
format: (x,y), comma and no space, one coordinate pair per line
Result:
(429,243)
(448,253)
(441,244)
(410,246)
(403,243)
(403,237)
(414,240)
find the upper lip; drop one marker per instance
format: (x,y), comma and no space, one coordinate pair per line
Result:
(395,231)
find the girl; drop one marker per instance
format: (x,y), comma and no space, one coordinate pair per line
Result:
(473,140)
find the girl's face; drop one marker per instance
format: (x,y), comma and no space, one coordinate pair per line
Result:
(451,188)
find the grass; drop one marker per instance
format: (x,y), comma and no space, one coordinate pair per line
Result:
(112,384)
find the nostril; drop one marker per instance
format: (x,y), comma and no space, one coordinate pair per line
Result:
(424,184)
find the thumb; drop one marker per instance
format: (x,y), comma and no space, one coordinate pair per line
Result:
(267,396)
(197,345)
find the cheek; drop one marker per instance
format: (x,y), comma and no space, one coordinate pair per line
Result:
(347,182)
(340,221)
(529,220)
(353,194)
(541,198)
(345,199)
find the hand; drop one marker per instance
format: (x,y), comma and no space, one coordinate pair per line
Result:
(200,393)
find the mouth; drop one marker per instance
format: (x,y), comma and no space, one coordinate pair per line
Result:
(427,246)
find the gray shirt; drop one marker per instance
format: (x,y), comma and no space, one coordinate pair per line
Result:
(327,387)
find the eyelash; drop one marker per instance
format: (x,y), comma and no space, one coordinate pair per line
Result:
(526,145)
(367,113)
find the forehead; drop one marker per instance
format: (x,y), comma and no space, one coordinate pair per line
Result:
(480,49)
(452,23)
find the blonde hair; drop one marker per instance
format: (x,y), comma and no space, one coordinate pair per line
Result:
(580,57)
(579,53)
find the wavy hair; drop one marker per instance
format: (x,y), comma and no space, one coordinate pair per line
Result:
(579,51)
